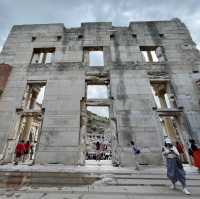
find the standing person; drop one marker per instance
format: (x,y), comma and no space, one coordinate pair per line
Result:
(27,150)
(98,151)
(175,171)
(180,149)
(32,150)
(19,151)
(194,151)
(104,149)
(136,153)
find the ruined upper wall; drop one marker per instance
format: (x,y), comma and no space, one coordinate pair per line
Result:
(122,43)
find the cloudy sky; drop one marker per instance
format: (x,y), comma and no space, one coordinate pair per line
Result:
(120,12)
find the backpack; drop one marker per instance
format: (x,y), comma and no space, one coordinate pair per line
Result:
(136,150)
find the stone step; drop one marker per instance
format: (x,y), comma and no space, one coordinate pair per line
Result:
(15,178)
(149,176)
(152,182)
(45,179)
(59,175)
(99,192)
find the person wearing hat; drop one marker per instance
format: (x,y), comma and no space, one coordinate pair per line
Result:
(175,171)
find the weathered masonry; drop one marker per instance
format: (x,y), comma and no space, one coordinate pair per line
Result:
(150,72)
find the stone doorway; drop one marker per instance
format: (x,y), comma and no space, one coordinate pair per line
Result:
(29,124)
(173,129)
(98,136)
(171,116)
(98,128)
(28,135)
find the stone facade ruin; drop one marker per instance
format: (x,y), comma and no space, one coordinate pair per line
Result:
(149,69)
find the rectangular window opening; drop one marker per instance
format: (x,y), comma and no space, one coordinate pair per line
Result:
(171,127)
(96,58)
(97,92)
(152,53)
(163,96)
(29,130)
(34,96)
(98,133)
(101,111)
(43,55)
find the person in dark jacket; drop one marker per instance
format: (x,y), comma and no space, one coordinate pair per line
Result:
(98,151)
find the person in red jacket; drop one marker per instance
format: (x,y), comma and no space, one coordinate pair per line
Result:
(194,151)
(19,151)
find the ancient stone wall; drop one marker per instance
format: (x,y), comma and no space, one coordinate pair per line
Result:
(128,74)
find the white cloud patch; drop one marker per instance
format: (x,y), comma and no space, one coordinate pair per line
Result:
(96,58)
(97,92)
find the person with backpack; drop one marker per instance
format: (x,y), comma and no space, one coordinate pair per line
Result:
(136,153)
(175,171)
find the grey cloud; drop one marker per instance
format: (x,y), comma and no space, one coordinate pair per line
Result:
(120,12)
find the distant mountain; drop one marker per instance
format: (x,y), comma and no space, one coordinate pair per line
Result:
(96,124)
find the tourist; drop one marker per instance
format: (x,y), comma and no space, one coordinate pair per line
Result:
(32,150)
(175,171)
(27,150)
(19,151)
(180,149)
(136,153)
(104,149)
(194,151)
(98,151)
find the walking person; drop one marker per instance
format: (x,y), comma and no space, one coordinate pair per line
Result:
(98,151)
(175,171)
(19,152)
(27,150)
(136,153)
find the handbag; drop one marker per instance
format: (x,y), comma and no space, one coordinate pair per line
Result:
(178,160)
(136,151)
(179,163)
